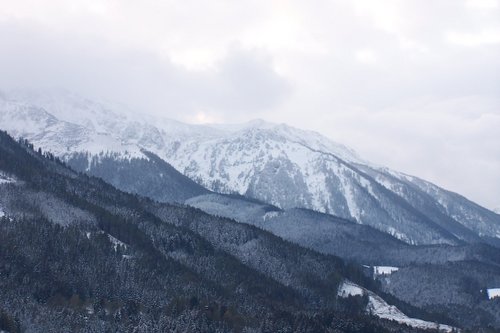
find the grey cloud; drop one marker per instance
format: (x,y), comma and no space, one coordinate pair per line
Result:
(243,81)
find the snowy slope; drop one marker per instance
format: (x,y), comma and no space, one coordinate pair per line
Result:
(378,307)
(493,293)
(62,138)
(451,210)
(275,163)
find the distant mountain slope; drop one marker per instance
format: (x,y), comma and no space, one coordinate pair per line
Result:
(274,163)
(450,210)
(149,176)
(344,238)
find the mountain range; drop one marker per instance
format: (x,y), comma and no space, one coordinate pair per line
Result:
(274,163)
(289,208)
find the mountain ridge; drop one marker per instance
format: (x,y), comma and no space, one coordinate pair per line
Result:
(274,163)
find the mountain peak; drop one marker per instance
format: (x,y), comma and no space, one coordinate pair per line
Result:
(237,127)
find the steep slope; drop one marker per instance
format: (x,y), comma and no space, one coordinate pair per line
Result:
(150,176)
(277,164)
(61,137)
(451,210)
(96,152)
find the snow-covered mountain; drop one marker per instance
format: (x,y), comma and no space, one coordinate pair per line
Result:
(275,163)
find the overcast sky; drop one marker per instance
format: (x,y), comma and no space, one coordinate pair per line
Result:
(410,84)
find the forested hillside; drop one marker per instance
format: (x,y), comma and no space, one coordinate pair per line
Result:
(77,254)
(444,279)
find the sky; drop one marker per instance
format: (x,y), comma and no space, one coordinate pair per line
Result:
(410,84)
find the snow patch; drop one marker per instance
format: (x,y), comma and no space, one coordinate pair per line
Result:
(270,215)
(89,309)
(378,307)
(351,202)
(116,242)
(393,232)
(493,293)
(347,289)
(6,179)
(384,270)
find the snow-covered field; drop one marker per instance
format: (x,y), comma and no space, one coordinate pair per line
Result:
(384,270)
(378,307)
(493,293)
(347,289)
